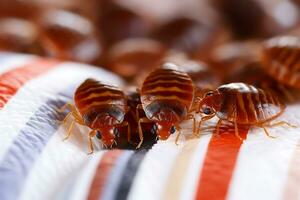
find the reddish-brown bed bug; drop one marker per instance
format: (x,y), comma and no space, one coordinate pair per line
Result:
(187,35)
(67,35)
(251,18)
(254,74)
(132,57)
(203,77)
(102,108)
(233,56)
(116,22)
(200,72)
(241,104)
(280,59)
(166,95)
(19,35)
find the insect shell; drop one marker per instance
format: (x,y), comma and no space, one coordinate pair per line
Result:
(280,59)
(204,79)
(65,34)
(202,75)
(240,103)
(166,95)
(254,74)
(102,108)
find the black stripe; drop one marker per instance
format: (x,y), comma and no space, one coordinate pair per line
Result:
(129,174)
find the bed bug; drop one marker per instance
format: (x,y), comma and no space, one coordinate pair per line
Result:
(280,59)
(200,72)
(12,39)
(132,57)
(116,22)
(102,108)
(166,97)
(188,35)
(204,79)
(241,104)
(253,74)
(251,18)
(69,36)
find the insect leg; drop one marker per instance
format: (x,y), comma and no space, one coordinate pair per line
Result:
(66,118)
(282,123)
(179,132)
(64,107)
(74,113)
(141,120)
(78,118)
(125,123)
(236,131)
(192,117)
(267,132)
(137,114)
(195,105)
(203,119)
(91,134)
(128,132)
(69,131)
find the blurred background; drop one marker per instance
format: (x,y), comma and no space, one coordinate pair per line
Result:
(131,37)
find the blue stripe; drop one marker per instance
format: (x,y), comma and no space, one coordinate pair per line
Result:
(6,56)
(21,156)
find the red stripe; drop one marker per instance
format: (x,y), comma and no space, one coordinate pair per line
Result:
(13,80)
(102,173)
(219,164)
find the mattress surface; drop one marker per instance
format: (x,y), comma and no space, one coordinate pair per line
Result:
(36,164)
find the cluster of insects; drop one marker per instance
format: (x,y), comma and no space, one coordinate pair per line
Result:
(218,65)
(169,95)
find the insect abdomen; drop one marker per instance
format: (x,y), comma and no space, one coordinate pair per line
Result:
(280,59)
(249,105)
(93,98)
(167,85)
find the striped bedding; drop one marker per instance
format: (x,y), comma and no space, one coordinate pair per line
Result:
(36,164)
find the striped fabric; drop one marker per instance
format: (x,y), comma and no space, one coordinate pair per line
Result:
(36,164)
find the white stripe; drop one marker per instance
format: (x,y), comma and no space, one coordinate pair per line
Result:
(9,61)
(83,181)
(157,165)
(153,172)
(262,166)
(36,92)
(194,171)
(58,163)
